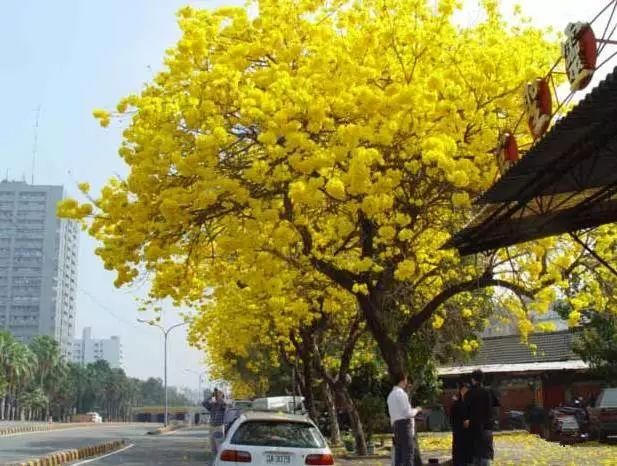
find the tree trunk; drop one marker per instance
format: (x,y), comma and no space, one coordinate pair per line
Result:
(307,384)
(335,430)
(391,352)
(354,418)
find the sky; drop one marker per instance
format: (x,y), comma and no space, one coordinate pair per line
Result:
(68,57)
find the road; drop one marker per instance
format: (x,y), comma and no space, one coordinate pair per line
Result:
(183,447)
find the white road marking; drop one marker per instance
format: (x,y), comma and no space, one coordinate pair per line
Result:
(104,456)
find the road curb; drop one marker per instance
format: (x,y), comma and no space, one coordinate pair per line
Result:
(38,428)
(65,456)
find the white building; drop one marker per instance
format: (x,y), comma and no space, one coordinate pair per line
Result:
(87,350)
(38,264)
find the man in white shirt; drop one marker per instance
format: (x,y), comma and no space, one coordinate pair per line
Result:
(402,420)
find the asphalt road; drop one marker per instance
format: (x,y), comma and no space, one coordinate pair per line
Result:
(184,447)
(31,445)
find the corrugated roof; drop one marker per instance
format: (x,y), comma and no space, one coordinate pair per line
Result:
(508,354)
(551,346)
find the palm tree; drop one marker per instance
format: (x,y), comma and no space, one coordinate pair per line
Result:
(6,341)
(33,401)
(47,353)
(16,366)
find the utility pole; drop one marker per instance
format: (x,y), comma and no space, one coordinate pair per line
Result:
(165,332)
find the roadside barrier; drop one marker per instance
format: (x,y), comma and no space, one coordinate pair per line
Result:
(17,429)
(65,456)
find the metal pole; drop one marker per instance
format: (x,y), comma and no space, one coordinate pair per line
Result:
(165,372)
(199,395)
(165,333)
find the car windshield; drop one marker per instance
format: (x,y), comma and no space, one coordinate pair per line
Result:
(609,398)
(278,434)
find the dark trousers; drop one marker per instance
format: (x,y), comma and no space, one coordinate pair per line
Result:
(484,450)
(403,443)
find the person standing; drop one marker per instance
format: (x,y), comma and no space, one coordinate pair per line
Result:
(402,421)
(480,420)
(217,407)
(462,447)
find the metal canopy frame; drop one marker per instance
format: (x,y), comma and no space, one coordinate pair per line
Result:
(566,182)
(567,179)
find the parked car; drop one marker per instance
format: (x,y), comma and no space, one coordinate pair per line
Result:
(274,439)
(603,414)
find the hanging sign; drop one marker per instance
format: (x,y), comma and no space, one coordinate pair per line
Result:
(507,151)
(538,104)
(580,53)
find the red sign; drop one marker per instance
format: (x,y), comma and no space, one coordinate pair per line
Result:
(507,151)
(539,106)
(580,53)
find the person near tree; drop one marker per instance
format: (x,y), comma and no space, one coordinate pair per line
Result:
(462,447)
(217,407)
(480,420)
(402,420)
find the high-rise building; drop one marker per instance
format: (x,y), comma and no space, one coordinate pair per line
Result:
(38,264)
(88,349)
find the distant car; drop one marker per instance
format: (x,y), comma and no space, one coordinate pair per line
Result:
(603,415)
(274,439)
(94,417)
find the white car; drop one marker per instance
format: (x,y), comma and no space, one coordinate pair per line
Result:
(94,417)
(273,439)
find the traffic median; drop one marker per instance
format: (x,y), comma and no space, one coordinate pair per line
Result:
(73,454)
(28,428)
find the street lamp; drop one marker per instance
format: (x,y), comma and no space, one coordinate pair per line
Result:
(165,332)
(199,378)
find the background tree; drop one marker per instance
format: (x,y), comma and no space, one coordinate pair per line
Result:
(36,383)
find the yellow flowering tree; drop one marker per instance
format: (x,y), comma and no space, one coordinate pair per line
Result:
(265,319)
(343,139)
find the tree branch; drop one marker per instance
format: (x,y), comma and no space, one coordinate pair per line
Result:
(355,331)
(486,281)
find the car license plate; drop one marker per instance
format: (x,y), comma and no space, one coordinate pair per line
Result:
(278,459)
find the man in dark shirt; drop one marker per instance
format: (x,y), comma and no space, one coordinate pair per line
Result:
(217,407)
(480,420)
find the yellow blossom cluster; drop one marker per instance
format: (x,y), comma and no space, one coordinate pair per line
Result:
(337,141)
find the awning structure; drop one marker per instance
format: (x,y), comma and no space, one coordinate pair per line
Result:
(566,182)
(515,368)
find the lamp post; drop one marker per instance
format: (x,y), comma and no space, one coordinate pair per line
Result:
(165,332)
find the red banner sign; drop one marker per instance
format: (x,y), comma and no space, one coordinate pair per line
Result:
(539,105)
(507,151)
(580,52)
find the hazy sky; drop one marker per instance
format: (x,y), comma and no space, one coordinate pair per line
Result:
(70,56)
